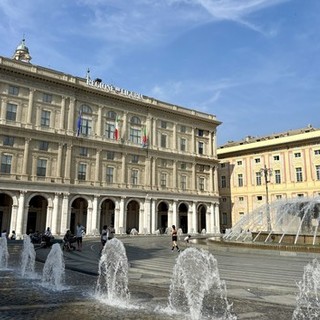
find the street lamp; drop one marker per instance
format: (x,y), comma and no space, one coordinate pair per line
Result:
(267,172)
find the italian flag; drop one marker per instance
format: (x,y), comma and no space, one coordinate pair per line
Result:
(116,129)
(144,137)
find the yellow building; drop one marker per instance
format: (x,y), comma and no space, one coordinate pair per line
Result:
(79,150)
(257,171)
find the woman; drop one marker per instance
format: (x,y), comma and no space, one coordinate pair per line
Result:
(174,238)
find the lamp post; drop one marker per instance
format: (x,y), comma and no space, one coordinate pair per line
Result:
(267,172)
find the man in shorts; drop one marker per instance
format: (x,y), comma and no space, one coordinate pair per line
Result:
(79,234)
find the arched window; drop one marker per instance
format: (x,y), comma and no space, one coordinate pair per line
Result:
(111,115)
(110,125)
(135,130)
(135,120)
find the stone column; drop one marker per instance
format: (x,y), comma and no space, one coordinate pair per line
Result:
(63,113)
(59,161)
(190,220)
(194,217)
(30,107)
(38,117)
(67,169)
(99,124)
(98,169)
(116,217)
(147,178)
(147,214)
(210,144)
(153,216)
(174,214)
(170,215)
(194,177)
(71,123)
(122,217)
(175,136)
(14,216)
(3,110)
(217,217)
(154,133)
(123,170)
(123,127)
(65,214)
(174,176)
(215,179)
(25,156)
(212,218)
(94,220)
(149,131)
(154,173)
(193,141)
(20,216)
(211,186)
(54,225)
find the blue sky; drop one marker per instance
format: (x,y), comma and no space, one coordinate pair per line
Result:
(252,63)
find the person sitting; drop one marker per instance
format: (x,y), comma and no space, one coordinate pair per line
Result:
(47,238)
(68,239)
(13,235)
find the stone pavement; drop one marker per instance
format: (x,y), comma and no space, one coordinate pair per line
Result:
(261,284)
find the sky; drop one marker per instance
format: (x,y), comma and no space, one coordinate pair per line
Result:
(254,64)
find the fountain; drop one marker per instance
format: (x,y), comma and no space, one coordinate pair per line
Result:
(4,254)
(291,221)
(28,257)
(308,298)
(202,295)
(112,283)
(53,274)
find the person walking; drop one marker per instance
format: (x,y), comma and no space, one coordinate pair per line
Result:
(79,234)
(174,238)
(104,236)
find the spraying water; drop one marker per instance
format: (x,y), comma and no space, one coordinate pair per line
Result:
(196,289)
(308,298)
(112,284)
(53,275)
(28,257)
(4,254)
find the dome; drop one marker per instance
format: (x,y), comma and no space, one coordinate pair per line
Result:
(22,52)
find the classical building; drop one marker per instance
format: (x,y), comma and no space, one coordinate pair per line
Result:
(257,171)
(79,150)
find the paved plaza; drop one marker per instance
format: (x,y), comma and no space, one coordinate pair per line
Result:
(261,284)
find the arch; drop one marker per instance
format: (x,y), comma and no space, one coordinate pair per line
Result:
(85,109)
(183,209)
(133,208)
(37,214)
(201,216)
(107,213)
(6,203)
(162,214)
(111,115)
(135,120)
(79,210)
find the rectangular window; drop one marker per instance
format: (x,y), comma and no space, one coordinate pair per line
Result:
(11,114)
(183,144)
(163,142)
(83,151)
(8,141)
(240,180)
(278,196)
(224,199)
(200,147)
(257,160)
(276,158)
(82,170)
(223,182)
(300,195)
(223,165)
(109,176)
(41,167)
(201,183)
(135,135)
(6,163)
(110,155)
(317,152)
(85,128)
(200,133)
(318,172)
(183,129)
(258,178)
(241,199)
(44,145)
(134,158)
(297,154)
(259,198)
(183,166)
(14,91)
(45,118)
(277,176)
(299,174)
(239,163)
(183,183)
(110,129)
(134,177)
(163,124)
(163,180)
(47,98)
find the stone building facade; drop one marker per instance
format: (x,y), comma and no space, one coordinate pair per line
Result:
(256,171)
(78,150)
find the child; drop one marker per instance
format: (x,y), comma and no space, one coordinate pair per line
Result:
(187,238)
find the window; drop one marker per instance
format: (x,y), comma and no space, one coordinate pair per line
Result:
(82,171)
(200,133)
(85,128)
(224,218)
(45,118)
(164,162)
(134,177)
(241,214)
(258,178)
(299,174)
(257,160)
(8,141)
(222,165)
(277,176)
(43,145)
(163,124)
(110,155)
(200,147)
(41,167)
(183,166)
(110,129)
(14,91)
(163,180)
(163,141)
(239,163)
(6,163)
(201,184)
(259,198)
(278,196)
(300,195)
(135,120)
(241,199)
(318,172)
(317,152)
(134,158)
(111,115)
(240,180)
(276,158)
(224,199)
(183,129)
(183,183)
(84,120)
(182,144)
(297,154)
(83,151)
(135,135)
(109,176)
(201,167)
(223,182)
(11,112)
(47,98)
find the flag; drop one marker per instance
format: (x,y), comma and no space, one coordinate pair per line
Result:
(79,123)
(116,129)
(144,137)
